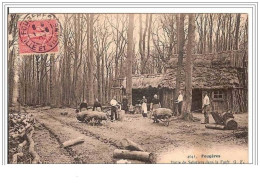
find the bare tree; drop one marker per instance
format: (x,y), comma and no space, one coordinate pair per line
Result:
(237,31)
(91,60)
(188,69)
(129,58)
(181,41)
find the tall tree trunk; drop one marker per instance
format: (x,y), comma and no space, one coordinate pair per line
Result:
(13,75)
(181,41)
(237,31)
(177,29)
(143,60)
(140,36)
(91,60)
(210,32)
(51,78)
(129,58)
(189,67)
(98,79)
(103,79)
(149,36)
(205,34)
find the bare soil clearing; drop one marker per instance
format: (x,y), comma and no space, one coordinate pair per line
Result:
(101,141)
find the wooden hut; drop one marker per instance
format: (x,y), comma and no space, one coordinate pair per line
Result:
(222,85)
(222,75)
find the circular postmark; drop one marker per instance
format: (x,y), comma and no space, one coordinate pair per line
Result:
(39,33)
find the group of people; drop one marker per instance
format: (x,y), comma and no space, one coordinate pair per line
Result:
(96,107)
(155,103)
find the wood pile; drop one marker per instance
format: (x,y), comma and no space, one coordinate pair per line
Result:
(21,129)
(132,151)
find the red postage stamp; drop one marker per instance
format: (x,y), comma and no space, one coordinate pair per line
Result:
(38,35)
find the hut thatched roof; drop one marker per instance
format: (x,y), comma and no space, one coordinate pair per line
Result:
(209,71)
(204,78)
(145,81)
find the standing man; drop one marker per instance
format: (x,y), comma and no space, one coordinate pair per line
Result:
(113,104)
(83,105)
(180,101)
(205,108)
(97,105)
(155,105)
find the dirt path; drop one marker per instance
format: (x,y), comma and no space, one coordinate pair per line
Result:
(47,146)
(100,141)
(91,151)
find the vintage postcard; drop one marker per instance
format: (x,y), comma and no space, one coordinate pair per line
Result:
(127,88)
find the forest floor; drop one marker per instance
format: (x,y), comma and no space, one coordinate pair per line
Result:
(180,142)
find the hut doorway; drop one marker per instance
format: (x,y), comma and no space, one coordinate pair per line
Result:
(196,100)
(137,95)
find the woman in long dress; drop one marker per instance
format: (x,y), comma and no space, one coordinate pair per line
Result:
(144,106)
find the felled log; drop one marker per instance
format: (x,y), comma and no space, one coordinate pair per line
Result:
(73,142)
(132,146)
(21,145)
(88,115)
(231,124)
(133,155)
(215,126)
(36,157)
(122,161)
(15,157)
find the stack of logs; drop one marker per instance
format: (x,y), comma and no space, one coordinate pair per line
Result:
(132,151)
(223,121)
(21,129)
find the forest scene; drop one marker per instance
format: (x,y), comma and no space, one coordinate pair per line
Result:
(128,88)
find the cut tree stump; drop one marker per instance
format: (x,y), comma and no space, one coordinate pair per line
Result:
(132,146)
(215,126)
(73,142)
(133,155)
(231,124)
